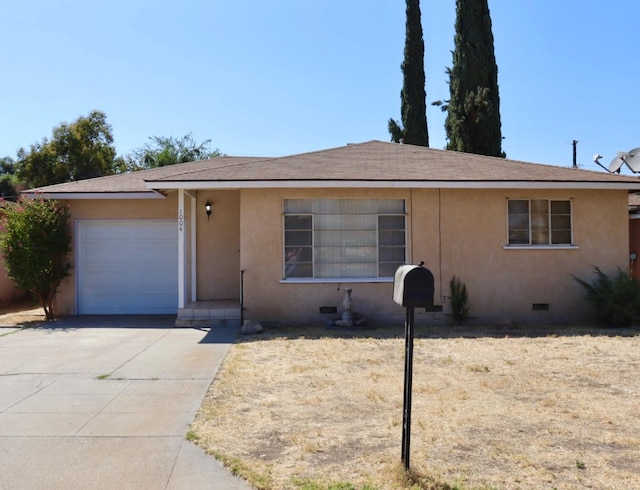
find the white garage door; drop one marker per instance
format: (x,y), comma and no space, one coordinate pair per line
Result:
(127,267)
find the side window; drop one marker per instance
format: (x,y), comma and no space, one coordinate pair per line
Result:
(539,222)
(298,245)
(518,210)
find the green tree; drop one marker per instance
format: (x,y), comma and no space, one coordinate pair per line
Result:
(162,151)
(35,242)
(8,179)
(76,151)
(473,109)
(413,96)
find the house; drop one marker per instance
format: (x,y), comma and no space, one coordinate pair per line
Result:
(287,235)
(634,234)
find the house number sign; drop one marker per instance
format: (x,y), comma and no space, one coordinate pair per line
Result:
(180,221)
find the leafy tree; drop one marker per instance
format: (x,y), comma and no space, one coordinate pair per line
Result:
(413,95)
(76,151)
(35,242)
(162,151)
(7,166)
(473,110)
(8,179)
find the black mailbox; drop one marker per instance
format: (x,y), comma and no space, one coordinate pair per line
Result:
(413,287)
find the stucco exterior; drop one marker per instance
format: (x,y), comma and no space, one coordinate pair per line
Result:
(458,232)
(456,208)
(217,244)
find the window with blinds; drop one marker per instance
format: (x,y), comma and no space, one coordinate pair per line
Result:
(343,238)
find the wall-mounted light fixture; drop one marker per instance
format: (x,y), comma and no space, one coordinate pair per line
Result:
(207,208)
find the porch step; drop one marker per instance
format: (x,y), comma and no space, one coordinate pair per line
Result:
(209,313)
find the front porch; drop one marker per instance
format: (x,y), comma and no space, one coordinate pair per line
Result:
(209,314)
(208,258)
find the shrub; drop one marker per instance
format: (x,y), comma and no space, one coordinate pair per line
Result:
(615,301)
(35,242)
(459,299)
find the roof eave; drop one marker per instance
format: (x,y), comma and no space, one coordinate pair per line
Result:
(397,184)
(151,194)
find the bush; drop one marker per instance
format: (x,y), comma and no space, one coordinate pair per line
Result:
(35,242)
(616,301)
(459,299)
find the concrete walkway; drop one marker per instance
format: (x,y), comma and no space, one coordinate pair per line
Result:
(105,403)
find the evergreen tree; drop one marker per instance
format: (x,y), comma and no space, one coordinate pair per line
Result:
(473,110)
(413,95)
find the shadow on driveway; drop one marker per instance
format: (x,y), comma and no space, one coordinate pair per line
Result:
(213,335)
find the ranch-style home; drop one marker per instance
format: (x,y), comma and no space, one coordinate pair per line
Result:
(285,236)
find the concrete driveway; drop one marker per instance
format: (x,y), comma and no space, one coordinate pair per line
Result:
(105,403)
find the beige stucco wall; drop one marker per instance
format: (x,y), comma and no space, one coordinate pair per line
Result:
(267,297)
(217,239)
(454,231)
(218,246)
(461,232)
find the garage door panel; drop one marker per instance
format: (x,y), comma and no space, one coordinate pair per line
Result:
(103,254)
(127,267)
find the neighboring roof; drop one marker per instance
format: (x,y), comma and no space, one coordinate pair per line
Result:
(370,164)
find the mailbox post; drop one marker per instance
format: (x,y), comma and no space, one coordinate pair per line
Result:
(413,287)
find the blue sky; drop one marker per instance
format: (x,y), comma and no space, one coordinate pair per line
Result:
(278,77)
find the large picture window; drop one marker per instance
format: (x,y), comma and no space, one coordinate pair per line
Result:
(343,238)
(539,222)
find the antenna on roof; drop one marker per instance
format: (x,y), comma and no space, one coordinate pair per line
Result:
(631,158)
(596,159)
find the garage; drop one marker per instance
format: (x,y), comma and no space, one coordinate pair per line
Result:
(127,267)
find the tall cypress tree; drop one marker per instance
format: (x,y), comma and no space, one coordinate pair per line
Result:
(473,111)
(413,95)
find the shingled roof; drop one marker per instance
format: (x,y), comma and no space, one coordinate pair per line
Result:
(370,164)
(135,182)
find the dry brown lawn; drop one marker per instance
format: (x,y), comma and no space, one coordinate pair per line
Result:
(491,409)
(20,314)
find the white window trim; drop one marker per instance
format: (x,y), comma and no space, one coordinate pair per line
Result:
(335,280)
(541,247)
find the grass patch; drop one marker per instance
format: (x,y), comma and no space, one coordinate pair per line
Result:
(192,436)
(304,484)
(260,480)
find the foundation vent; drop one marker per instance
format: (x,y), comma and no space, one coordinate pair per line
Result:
(540,306)
(328,310)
